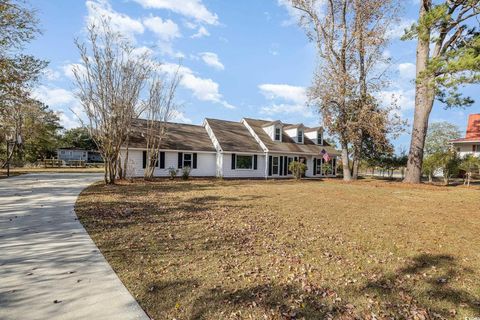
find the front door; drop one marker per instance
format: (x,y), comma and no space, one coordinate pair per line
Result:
(289,160)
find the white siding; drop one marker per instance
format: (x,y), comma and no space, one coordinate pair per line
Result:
(464,149)
(270,130)
(72,154)
(205,164)
(242,173)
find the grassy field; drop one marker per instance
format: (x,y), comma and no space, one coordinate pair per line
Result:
(208,249)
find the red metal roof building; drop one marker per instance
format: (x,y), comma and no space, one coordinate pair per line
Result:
(470,144)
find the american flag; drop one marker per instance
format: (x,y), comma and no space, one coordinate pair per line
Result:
(325,155)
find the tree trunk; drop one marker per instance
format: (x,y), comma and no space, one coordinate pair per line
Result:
(424,97)
(125,163)
(356,164)
(347,175)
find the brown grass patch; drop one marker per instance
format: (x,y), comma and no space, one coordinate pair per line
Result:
(208,249)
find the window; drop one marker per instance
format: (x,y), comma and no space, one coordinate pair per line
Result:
(244,162)
(187,160)
(278,133)
(275,165)
(300,136)
(319,138)
(62,152)
(290,159)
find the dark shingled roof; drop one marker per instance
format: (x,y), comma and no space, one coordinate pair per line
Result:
(233,136)
(179,136)
(287,144)
(314,129)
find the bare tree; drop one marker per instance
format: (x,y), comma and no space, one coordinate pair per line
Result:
(159,108)
(109,82)
(447,57)
(350,36)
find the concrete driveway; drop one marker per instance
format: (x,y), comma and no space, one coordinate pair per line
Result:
(49,266)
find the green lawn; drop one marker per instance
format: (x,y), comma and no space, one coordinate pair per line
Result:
(207,249)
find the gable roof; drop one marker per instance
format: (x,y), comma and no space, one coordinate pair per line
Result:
(233,136)
(179,136)
(287,145)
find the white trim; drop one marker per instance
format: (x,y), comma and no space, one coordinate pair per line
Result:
(252,156)
(212,136)
(255,136)
(169,150)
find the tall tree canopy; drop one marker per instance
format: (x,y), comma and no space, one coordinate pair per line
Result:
(448,56)
(18,71)
(78,138)
(438,136)
(350,36)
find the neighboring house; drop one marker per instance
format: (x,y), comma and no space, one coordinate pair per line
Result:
(250,148)
(69,154)
(470,144)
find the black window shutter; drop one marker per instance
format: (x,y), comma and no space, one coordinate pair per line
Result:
(144,160)
(255,166)
(180,160)
(194,161)
(285,166)
(162,160)
(270,161)
(314,166)
(281,166)
(233,160)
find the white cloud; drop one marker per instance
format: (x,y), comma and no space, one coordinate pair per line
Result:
(407,70)
(68,70)
(285,108)
(51,75)
(178,116)
(61,101)
(190,8)
(203,89)
(398,30)
(202,32)
(53,96)
(287,99)
(403,98)
(212,60)
(284,91)
(295,14)
(120,22)
(166,30)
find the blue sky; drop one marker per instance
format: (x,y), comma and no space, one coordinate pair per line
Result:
(239,58)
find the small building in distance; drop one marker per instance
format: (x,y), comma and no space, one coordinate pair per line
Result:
(71,154)
(470,144)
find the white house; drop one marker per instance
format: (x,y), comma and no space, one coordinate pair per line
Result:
(470,144)
(250,148)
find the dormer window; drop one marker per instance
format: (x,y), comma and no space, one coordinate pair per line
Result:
(300,136)
(319,139)
(278,133)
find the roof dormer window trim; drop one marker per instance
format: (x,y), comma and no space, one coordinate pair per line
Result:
(300,137)
(277,133)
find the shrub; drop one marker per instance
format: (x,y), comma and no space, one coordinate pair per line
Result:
(469,164)
(172,172)
(297,168)
(186,173)
(449,162)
